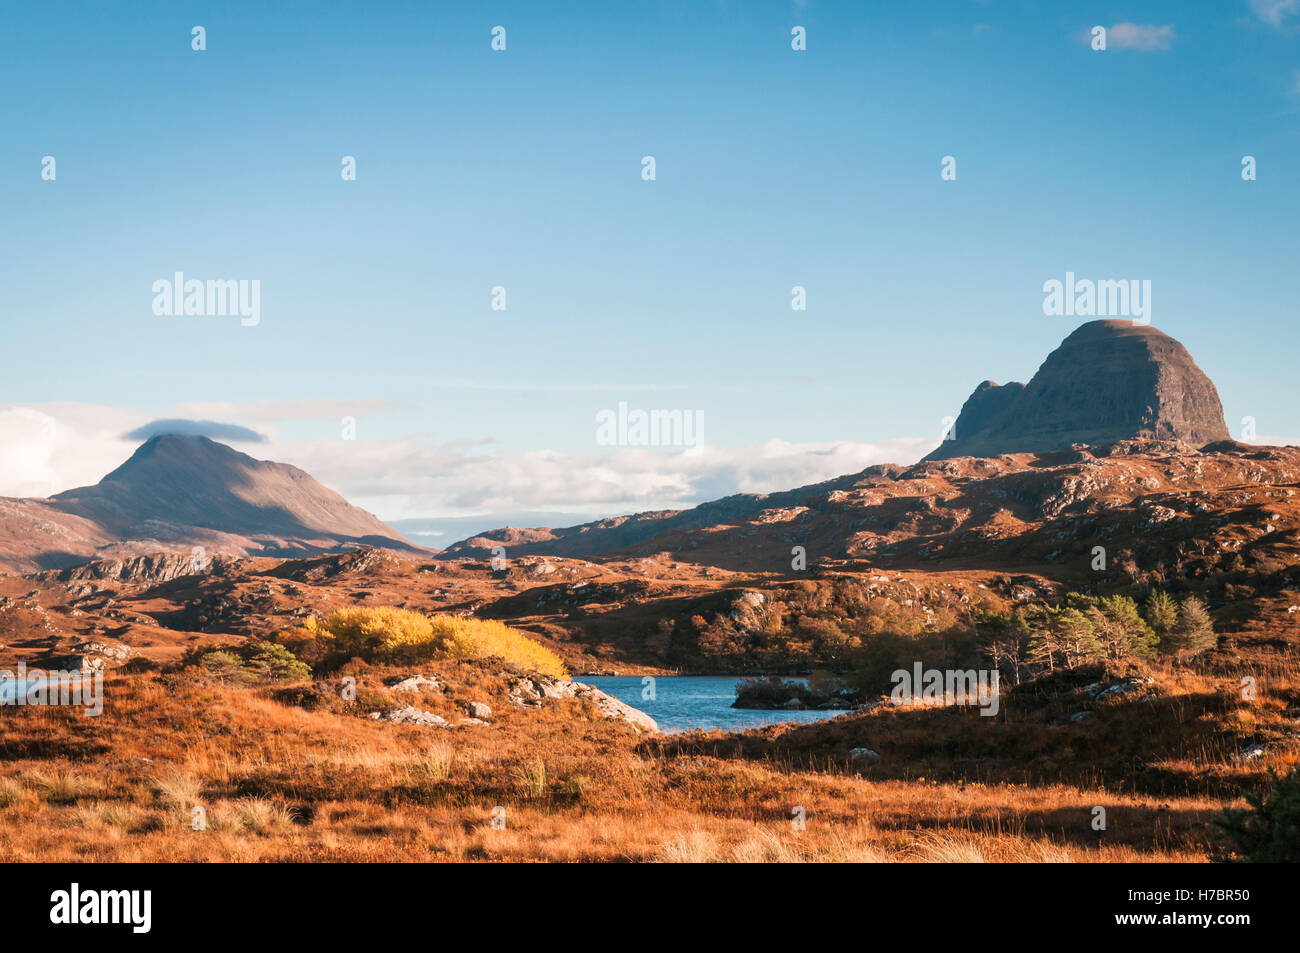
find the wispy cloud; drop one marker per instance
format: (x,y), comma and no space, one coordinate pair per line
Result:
(409,479)
(1134,36)
(524,386)
(289,409)
(50,448)
(1275,13)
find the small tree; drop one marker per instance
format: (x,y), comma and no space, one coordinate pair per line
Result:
(1076,637)
(1120,628)
(1004,642)
(1269,833)
(1040,637)
(1194,632)
(1161,613)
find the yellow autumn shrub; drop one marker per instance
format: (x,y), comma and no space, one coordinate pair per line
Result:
(388,634)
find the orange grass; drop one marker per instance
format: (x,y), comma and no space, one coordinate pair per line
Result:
(277,782)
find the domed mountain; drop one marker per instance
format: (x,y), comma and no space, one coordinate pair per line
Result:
(1108,381)
(195,481)
(178,492)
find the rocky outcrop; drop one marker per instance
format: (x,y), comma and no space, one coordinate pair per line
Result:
(92,656)
(322,569)
(415,683)
(534,692)
(1108,381)
(411,715)
(480,711)
(155,567)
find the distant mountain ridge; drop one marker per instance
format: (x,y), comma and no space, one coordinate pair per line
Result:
(1035,508)
(1113,390)
(183,491)
(1116,388)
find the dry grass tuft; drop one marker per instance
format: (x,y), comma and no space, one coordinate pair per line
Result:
(435,762)
(178,789)
(530,779)
(262,815)
(12,792)
(61,783)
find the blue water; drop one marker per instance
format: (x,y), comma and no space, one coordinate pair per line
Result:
(683,702)
(9,688)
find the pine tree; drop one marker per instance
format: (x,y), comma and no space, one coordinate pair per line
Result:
(1035,625)
(1076,637)
(1121,630)
(1043,649)
(1194,632)
(1161,613)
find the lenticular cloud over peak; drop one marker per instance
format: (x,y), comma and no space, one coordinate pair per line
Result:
(212,429)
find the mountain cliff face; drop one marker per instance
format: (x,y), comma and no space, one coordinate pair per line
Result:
(178,492)
(1108,381)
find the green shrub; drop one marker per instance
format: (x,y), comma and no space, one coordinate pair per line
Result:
(275,663)
(222,664)
(254,662)
(1268,833)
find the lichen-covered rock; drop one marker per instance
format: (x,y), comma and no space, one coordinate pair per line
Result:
(532,692)
(479,711)
(414,683)
(411,716)
(113,651)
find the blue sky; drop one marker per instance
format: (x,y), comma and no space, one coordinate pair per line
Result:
(522,168)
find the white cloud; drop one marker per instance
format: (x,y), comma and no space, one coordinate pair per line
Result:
(411,478)
(550,388)
(287,409)
(1275,12)
(47,448)
(1132,36)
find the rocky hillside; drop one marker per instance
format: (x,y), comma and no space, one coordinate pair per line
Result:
(1045,512)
